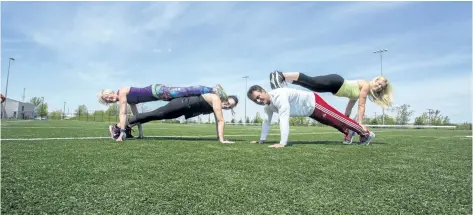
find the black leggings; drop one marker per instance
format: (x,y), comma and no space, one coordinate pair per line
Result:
(174,109)
(321,84)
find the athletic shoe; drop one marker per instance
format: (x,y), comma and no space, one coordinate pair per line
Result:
(349,137)
(128,131)
(366,139)
(221,92)
(277,80)
(114,131)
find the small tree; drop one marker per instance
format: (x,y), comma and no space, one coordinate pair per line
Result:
(403,114)
(258,118)
(42,110)
(57,114)
(81,110)
(113,110)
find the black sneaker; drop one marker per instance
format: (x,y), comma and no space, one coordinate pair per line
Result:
(277,80)
(128,131)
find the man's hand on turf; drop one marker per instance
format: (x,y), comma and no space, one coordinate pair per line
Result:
(226,142)
(277,145)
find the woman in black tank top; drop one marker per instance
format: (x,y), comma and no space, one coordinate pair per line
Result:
(188,107)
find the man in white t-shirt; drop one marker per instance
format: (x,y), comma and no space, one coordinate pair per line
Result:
(289,102)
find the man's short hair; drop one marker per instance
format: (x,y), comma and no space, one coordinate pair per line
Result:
(252,89)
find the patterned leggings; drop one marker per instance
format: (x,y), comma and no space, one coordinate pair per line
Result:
(165,93)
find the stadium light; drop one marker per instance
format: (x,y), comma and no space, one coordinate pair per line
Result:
(246,88)
(380,52)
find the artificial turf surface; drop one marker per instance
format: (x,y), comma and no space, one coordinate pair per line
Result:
(403,171)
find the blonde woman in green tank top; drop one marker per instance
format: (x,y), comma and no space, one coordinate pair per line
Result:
(378,90)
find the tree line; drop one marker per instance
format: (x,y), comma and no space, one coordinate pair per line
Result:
(400,115)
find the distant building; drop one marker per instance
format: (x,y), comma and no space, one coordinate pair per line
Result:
(13,109)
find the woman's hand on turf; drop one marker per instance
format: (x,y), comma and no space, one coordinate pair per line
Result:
(120,138)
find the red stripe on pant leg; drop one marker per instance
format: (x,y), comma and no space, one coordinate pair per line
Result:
(338,118)
(318,116)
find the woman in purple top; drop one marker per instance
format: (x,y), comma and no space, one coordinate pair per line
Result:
(155,92)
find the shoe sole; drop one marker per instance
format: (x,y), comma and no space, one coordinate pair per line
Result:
(274,80)
(271,80)
(279,82)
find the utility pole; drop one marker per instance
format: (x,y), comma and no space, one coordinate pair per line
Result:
(64,111)
(430,116)
(42,107)
(6,87)
(24,94)
(246,88)
(380,52)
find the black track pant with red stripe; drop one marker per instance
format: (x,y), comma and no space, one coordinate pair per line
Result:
(327,115)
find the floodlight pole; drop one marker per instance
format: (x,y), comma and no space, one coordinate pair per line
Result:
(380,52)
(246,88)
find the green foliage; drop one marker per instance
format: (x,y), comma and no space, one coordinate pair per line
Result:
(36,101)
(55,115)
(258,118)
(403,114)
(42,110)
(81,110)
(113,110)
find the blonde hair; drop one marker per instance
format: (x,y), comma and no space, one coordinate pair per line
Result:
(102,93)
(382,98)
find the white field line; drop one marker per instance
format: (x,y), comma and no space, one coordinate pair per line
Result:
(196,136)
(93,128)
(68,127)
(189,136)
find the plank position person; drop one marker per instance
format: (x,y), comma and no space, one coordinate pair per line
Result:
(188,107)
(378,90)
(155,92)
(289,102)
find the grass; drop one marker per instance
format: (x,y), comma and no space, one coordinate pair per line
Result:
(401,172)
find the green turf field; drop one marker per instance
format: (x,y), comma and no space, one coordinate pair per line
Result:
(400,172)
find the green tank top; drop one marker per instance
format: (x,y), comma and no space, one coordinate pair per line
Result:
(349,89)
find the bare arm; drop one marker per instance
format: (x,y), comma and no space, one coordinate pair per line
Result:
(216,126)
(350,105)
(284,110)
(217,107)
(266,124)
(123,106)
(362,103)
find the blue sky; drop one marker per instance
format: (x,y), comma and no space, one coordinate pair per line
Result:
(69,51)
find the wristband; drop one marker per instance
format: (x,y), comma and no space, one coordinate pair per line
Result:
(122,130)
